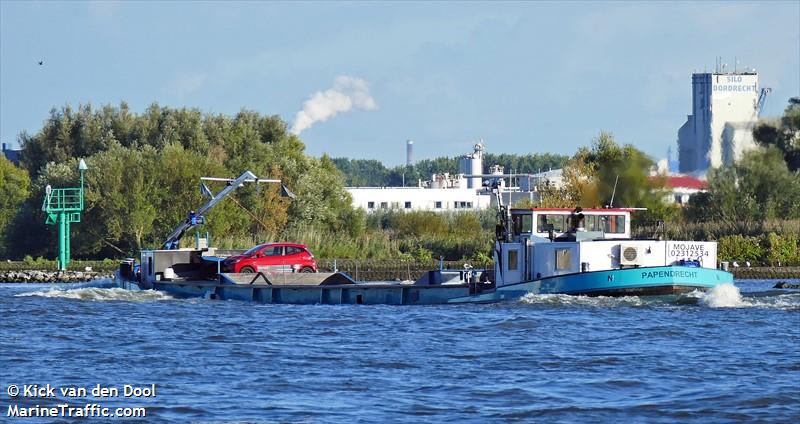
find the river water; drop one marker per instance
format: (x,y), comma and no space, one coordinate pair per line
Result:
(732,355)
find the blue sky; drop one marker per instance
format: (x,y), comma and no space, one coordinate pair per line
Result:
(526,77)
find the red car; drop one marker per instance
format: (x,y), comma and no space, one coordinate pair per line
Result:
(275,257)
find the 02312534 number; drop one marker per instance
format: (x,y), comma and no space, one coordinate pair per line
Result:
(687,253)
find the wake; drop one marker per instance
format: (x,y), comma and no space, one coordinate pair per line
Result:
(100,294)
(722,296)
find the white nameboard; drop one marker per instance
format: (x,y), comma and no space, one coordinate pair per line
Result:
(704,251)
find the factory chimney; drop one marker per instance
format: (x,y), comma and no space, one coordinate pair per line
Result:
(409,152)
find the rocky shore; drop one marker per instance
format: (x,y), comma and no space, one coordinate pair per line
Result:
(766,272)
(51,276)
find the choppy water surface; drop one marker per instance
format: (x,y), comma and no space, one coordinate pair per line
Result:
(730,355)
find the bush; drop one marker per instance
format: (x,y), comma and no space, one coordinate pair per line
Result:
(420,223)
(781,250)
(739,248)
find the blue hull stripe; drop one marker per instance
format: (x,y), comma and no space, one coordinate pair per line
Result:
(618,280)
(634,277)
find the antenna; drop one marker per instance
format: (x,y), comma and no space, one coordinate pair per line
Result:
(614,192)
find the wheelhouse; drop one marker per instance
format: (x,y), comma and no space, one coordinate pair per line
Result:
(560,223)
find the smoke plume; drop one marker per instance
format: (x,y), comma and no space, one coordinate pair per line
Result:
(347,93)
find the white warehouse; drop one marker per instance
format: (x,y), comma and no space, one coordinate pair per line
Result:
(418,198)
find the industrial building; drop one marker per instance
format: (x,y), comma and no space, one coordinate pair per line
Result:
(470,189)
(725,108)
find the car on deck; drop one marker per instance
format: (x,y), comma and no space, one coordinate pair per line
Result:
(273,257)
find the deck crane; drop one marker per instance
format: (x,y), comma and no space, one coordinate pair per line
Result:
(198,217)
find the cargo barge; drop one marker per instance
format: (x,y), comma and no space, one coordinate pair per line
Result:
(537,250)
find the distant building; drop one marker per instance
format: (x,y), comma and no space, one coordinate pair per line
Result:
(725,107)
(470,189)
(418,198)
(12,155)
(472,164)
(683,187)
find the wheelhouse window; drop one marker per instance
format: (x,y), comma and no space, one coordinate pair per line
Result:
(559,222)
(523,223)
(614,224)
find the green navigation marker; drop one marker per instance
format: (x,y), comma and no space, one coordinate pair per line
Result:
(63,206)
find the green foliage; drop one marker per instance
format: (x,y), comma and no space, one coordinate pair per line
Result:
(14,190)
(767,249)
(452,247)
(739,248)
(418,223)
(144,172)
(759,187)
(422,254)
(783,135)
(782,250)
(362,172)
(465,225)
(610,174)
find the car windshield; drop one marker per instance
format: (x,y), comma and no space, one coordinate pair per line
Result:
(253,250)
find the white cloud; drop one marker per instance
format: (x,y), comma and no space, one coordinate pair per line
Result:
(347,93)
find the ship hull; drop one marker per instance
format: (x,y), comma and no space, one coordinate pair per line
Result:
(650,281)
(645,281)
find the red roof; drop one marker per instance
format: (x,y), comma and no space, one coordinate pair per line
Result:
(685,181)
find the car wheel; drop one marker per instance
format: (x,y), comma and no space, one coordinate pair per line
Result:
(307,269)
(246,270)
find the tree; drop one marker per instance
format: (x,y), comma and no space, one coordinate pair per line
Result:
(361,172)
(784,134)
(759,187)
(144,172)
(321,199)
(14,190)
(608,174)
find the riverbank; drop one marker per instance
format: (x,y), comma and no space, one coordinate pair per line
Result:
(766,272)
(34,276)
(367,270)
